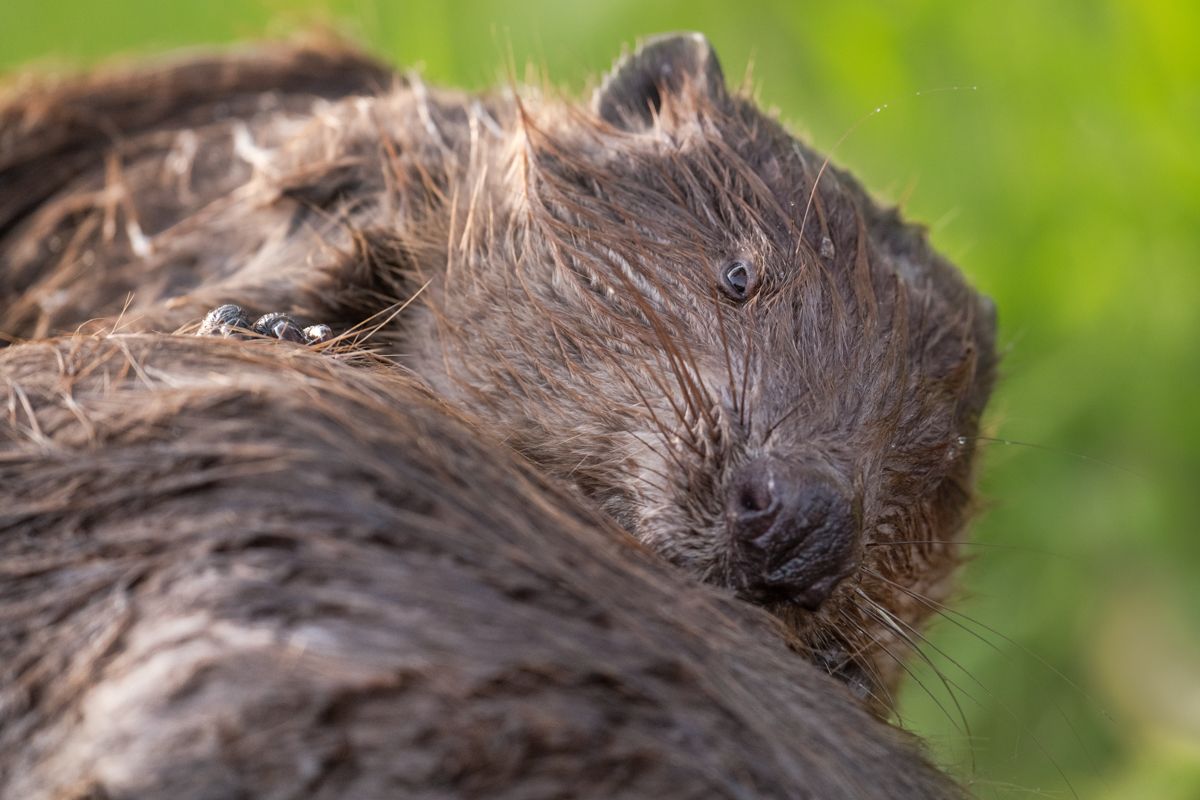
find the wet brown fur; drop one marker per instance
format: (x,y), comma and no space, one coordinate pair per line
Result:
(246,571)
(564,268)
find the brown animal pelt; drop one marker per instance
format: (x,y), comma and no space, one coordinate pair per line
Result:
(232,570)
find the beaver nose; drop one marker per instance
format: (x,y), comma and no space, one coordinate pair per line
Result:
(793,532)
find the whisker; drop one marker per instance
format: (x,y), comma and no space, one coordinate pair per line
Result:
(889,620)
(1003,707)
(1056,450)
(867,664)
(1014,787)
(948,613)
(995,545)
(916,679)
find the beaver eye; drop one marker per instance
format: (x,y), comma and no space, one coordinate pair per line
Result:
(737,279)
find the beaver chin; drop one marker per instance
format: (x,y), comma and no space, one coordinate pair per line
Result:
(856,677)
(814,639)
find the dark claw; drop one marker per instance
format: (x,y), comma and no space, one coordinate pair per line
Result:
(317,334)
(226,320)
(280,326)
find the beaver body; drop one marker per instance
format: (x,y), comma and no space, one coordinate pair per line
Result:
(660,297)
(231,571)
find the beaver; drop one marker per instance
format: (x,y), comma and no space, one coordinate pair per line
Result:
(312,578)
(661,297)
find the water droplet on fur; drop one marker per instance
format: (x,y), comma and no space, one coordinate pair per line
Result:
(827,250)
(956,449)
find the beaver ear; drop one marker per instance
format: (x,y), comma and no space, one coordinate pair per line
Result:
(667,65)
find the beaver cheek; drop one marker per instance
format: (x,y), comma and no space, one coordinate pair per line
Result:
(793,533)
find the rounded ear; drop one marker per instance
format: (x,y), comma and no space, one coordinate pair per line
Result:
(665,65)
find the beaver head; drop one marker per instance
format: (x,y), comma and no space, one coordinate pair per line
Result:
(776,386)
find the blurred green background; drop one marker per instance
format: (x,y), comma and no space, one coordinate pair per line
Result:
(1062,176)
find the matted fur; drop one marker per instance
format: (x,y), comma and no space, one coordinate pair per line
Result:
(564,263)
(236,570)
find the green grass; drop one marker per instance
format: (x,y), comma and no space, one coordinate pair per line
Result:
(1063,177)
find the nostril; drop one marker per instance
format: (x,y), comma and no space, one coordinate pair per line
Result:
(755,496)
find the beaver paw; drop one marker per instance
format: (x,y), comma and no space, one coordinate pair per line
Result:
(231,321)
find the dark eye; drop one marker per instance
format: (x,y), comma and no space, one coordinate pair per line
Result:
(737,279)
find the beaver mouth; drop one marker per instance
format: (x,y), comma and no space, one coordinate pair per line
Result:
(854,675)
(770,591)
(856,679)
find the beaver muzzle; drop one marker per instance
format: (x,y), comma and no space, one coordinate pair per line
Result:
(793,532)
